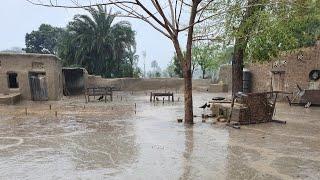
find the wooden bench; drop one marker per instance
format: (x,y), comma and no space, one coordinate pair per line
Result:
(154,95)
(98,91)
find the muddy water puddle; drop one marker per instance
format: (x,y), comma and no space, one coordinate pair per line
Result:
(135,139)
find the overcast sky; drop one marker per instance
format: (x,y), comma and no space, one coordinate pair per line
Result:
(20,17)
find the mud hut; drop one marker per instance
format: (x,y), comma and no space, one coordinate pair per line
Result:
(35,77)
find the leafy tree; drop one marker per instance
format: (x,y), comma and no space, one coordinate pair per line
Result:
(44,40)
(202,55)
(177,66)
(156,70)
(267,29)
(170,70)
(260,29)
(210,57)
(285,28)
(100,46)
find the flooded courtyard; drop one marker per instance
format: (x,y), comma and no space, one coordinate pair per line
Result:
(132,138)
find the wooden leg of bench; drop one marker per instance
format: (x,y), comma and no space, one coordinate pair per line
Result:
(151,97)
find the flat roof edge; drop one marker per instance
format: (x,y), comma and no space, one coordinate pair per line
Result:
(35,55)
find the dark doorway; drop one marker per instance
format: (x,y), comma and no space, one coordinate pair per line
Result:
(12,80)
(38,86)
(74,83)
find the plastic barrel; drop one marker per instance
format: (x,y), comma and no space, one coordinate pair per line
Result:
(247,81)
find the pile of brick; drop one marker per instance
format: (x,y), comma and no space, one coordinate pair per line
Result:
(254,108)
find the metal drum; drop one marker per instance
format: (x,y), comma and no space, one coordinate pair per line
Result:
(247,76)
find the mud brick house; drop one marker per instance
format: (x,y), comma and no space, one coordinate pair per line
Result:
(282,73)
(35,77)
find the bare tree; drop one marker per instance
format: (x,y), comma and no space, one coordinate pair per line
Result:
(172,18)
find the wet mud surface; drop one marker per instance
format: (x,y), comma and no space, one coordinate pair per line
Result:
(116,140)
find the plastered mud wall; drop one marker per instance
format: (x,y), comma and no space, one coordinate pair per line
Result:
(22,65)
(138,84)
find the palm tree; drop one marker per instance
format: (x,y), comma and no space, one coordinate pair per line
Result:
(97,44)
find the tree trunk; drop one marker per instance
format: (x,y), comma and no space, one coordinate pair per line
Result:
(203,73)
(188,103)
(241,44)
(187,74)
(185,62)
(237,68)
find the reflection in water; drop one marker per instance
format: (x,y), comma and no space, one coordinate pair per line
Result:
(189,143)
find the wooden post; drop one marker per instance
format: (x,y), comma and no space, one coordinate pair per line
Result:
(105,97)
(94,94)
(172,98)
(56,113)
(85,95)
(151,97)
(50,106)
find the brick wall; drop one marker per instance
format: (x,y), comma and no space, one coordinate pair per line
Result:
(293,70)
(265,76)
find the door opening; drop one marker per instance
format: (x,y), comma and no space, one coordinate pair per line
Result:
(38,86)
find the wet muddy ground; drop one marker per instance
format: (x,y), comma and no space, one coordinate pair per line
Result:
(117,140)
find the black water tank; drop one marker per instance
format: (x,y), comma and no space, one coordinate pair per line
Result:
(246,81)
